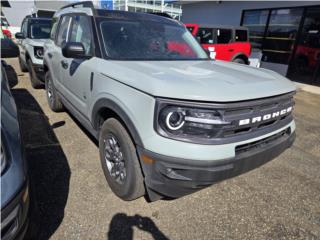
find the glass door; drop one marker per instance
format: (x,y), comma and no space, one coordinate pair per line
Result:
(305,64)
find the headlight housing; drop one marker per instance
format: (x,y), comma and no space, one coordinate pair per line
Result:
(187,122)
(38,52)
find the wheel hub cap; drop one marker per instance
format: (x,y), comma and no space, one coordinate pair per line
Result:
(114,159)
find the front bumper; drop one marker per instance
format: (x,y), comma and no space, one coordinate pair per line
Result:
(174,177)
(14,216)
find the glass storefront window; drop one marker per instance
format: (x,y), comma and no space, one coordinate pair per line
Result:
(281,35)
(256,21)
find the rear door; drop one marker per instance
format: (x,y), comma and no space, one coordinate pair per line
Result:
(78,73)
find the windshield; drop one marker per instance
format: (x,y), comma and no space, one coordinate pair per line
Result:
(148,40)
(40,30)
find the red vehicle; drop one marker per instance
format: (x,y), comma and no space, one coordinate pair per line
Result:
(7,33)
(223,42)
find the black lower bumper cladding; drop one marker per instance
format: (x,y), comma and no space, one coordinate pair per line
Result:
(169,177)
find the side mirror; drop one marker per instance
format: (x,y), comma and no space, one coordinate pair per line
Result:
(74,50)
(19,35)
(9,49)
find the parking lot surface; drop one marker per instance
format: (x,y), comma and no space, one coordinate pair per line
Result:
(280,200)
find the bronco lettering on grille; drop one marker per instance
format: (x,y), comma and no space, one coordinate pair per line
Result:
(265,117)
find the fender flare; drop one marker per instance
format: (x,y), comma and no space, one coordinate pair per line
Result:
(240,54)
(107,103)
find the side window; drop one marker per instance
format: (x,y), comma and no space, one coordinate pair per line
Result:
(241,36)
(205,36)
(24,28)
(81,32)
(224,35)
(54,28)
(63,30)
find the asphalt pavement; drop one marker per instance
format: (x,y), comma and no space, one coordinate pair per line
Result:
(280,200)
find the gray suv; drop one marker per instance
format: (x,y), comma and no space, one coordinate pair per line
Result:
(169,120)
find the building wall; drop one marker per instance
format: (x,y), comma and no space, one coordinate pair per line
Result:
(229,12)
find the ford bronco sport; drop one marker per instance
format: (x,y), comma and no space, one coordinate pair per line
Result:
(168,123)
(34,31)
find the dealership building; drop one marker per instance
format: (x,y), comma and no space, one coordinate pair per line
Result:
(287,33)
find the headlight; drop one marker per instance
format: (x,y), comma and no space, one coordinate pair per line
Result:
(38,52)
(187,123)
(3,160)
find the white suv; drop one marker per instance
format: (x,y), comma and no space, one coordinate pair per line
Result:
(34,32)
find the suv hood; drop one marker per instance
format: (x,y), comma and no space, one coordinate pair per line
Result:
(215,81)
(37,42)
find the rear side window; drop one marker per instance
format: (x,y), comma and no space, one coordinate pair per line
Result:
(81,32)
(63,30)
(205,36)
(241,36)
(224,35)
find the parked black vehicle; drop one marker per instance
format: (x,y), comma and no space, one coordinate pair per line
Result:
(14,180)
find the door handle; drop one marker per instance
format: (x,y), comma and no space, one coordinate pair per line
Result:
(64,64)
(230,50)
(49,55)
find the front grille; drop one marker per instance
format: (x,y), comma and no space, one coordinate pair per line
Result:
(262,143)
(254,109)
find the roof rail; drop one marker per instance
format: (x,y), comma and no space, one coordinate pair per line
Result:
(85,4)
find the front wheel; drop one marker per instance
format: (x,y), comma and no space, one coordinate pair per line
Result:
(53,99)
(35,82)
(119,161)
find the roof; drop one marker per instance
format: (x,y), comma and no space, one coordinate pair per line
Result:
(88,8)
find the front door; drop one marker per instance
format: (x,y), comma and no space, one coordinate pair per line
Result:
(305,65)
(78,73)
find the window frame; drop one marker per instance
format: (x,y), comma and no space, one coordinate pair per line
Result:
(59,26)
(73,15)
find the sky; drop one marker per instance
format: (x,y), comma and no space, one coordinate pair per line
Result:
(17,12)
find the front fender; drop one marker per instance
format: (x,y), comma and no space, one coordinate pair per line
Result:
(112,105)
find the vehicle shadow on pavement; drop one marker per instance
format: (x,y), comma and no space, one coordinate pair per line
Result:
(11,75)
(121,227)
(49,171)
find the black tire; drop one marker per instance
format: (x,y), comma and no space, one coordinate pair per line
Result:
(239,60)
(53,99)
(132,186)
(35,82)
(23,68)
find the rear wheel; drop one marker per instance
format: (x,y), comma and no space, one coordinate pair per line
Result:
(53,99)
(23,68)
(35,82)
(119,161)
(239,60)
